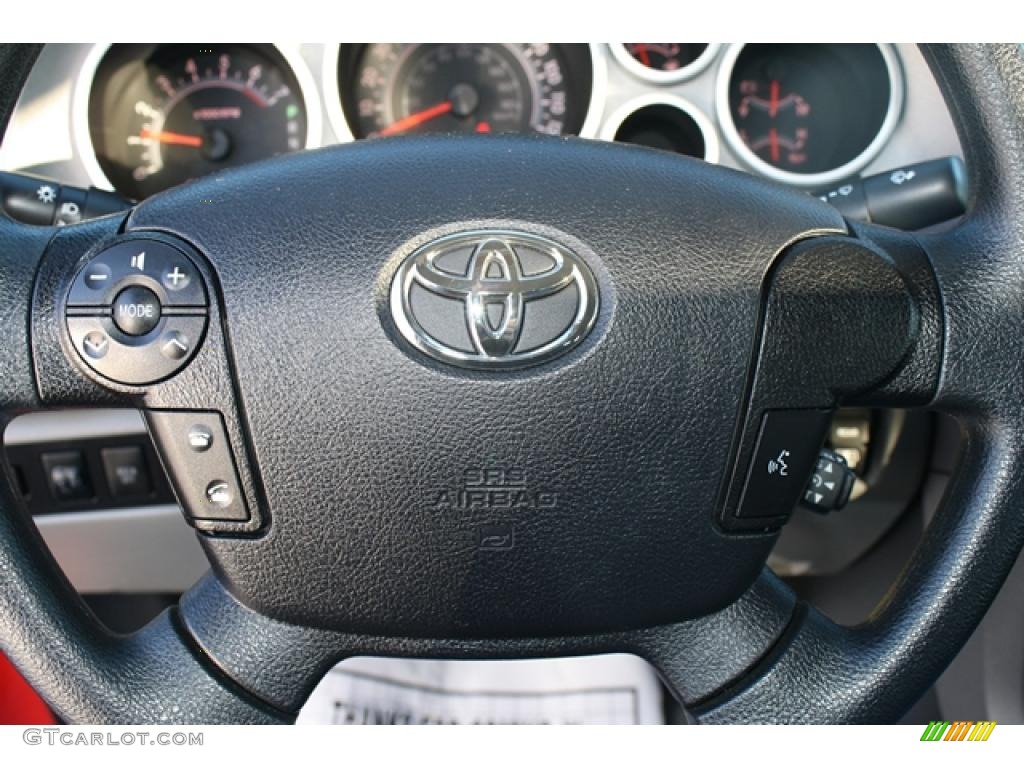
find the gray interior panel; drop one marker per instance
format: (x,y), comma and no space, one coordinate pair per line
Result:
(136,549)
(143,549)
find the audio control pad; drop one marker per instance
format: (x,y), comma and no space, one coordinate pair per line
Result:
(137,311)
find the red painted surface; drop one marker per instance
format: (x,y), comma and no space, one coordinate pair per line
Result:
(19,704)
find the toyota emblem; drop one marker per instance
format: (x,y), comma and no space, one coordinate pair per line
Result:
(494,299)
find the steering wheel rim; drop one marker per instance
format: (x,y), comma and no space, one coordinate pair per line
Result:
(765,657)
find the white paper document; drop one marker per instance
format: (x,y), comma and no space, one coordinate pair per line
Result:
(613,689)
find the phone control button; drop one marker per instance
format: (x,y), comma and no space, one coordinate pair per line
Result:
(219,494)
(200,462)
(200,438)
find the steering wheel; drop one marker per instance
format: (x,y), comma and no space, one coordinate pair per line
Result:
(510,397)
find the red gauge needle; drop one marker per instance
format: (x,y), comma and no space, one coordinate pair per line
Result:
(773,142)
(417,118)
(166,137)
(773,104)
(641,51)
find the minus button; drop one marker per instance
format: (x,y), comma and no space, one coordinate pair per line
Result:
(96,275)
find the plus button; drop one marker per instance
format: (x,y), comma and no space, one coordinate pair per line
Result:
(176,278)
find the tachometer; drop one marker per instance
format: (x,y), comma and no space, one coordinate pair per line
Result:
(392,88)
(162,114)
(809,114)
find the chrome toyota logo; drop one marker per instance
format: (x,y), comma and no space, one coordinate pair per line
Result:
(494,299)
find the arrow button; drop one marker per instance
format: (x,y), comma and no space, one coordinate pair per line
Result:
(175,345)
(96,344)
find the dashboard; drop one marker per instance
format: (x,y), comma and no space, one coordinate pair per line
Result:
(140,118)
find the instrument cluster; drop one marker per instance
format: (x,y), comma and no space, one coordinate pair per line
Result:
(153,116)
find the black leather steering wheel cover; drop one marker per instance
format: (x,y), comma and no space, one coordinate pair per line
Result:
(818,672)
(281,662)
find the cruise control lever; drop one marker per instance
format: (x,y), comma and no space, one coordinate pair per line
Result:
(909,198)
(33,200)
(830,486)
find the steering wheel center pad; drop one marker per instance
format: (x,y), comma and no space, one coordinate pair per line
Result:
(384,472)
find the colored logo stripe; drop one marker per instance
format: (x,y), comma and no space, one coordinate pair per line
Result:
(959,730)
(982,730)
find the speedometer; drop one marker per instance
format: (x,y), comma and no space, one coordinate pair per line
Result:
(163,114)
(392,88)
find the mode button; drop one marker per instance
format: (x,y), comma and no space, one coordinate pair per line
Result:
(136,310)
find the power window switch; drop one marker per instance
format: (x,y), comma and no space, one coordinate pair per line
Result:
(126,471)
(67,476)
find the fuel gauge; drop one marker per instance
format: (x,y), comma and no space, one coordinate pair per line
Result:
(664,62)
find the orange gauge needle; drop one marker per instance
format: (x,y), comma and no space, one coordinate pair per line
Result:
(166,137)
(641,51)
(773,142)
(417,118)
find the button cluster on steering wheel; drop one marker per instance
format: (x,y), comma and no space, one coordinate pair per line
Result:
(137,311)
